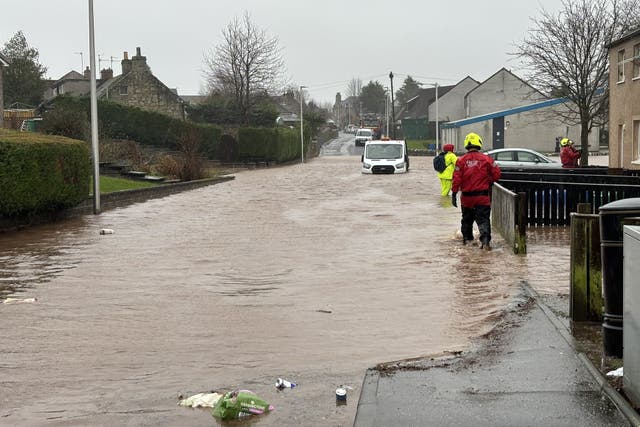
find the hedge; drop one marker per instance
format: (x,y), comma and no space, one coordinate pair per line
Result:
(279,144)
(41,173)
(146,127)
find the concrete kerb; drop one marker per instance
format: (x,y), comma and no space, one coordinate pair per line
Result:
(621,403)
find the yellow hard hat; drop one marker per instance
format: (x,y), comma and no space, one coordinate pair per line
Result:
(566,141)
(472,140)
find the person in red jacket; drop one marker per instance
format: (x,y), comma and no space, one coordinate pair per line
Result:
(569,156)
(473,176)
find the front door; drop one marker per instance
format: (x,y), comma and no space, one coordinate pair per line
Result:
(498,133)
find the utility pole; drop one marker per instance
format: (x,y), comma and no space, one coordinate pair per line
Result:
(301,126)
(393,108)
(81,61)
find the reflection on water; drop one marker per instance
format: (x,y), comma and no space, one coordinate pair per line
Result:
(37,255)
(548,259)
(311,272)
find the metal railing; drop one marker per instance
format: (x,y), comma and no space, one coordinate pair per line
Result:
(551,203)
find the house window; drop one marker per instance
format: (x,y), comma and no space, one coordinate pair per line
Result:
(621,66)
(636,61)
(124,90)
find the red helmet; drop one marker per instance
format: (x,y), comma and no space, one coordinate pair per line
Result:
(447,147)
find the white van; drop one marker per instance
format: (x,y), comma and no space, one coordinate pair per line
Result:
(385,157)
(363,135)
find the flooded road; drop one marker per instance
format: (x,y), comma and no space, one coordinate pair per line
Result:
(311,272)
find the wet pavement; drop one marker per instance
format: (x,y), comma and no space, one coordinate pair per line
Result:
(311,272)
(527,373)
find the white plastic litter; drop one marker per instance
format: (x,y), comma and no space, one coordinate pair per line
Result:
(616,373)
(280,384)
(201,400)
(107,231)
(19,300)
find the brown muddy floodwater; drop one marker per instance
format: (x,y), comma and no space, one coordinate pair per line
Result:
(309,272)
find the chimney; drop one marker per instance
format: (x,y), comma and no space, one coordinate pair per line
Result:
(126,63)
(139,62)
(106,74)
(87,73)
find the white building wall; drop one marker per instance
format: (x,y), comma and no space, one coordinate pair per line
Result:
(502,91)
(451,105)
(536,129)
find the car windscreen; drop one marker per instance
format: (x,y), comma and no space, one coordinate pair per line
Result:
(383,151)
(364,133)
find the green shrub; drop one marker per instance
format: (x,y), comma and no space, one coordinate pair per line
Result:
(145,127)
(41,173)
(279,144)
(72,123)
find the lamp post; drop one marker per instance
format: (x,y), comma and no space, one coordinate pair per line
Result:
(94,115)
(301,126)
(437,132)
(393,108)
(386,111)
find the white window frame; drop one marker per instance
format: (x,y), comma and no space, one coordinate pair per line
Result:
(123,90)
(636,62)
(621,62)
(621,132)
(635,139)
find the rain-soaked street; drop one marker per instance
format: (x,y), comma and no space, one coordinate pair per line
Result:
(311,272)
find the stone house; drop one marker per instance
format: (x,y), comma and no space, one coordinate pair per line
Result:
(135,87)
(288,109)
(71,83)
(138,87)
(624,101)
(4,62)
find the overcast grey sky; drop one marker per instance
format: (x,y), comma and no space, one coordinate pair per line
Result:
(324,43)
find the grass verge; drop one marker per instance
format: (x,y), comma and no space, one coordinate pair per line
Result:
(109,184)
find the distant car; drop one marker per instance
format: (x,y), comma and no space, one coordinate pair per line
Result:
(522,158)
(363,135)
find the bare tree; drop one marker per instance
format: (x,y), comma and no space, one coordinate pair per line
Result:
(566,55)
(247,63)
(354,87)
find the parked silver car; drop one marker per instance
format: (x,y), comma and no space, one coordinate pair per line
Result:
(522,158)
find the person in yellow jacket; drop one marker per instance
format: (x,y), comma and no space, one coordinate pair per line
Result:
(446,176)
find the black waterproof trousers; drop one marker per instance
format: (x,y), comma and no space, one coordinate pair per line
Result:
(482,216)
